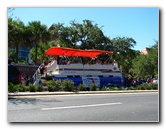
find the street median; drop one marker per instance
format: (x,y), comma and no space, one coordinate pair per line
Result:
(22,94)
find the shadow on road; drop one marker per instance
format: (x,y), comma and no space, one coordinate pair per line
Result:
(32,101)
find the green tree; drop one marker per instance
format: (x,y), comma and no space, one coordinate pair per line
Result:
(146,65)
(41,52)
(153,55)
(60,35)
(84,36)
(15,35)
(39,33)
(123,52)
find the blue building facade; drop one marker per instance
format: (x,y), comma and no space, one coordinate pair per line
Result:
(23,53)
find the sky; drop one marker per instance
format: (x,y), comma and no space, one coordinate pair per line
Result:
(141,24)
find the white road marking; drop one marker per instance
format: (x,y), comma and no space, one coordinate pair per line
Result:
(81,106)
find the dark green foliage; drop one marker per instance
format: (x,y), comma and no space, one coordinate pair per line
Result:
(132,88)
(10,87)
(57,85)
(39,33)
(145,86)
(20,88)
(39,88)
(41,52)
(123,52)
(149,87)
(154,86)
(146,65)
(121,88)
(32,88)
(92,87)
(82,87)
(16,30)
(113,88)
(67,85)
(50,88)
(53,85)
(16,87)
(50,85)
(105,88)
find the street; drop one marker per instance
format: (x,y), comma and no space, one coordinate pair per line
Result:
(137,107)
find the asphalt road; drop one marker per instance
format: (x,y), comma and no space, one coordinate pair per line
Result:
(137,107)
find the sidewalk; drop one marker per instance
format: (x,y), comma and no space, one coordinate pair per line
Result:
(19,94)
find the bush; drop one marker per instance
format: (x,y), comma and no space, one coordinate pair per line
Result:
(121,88)
(39,88)
(81,87)
(93,87)
(20,88)
(105,88)
(113,88)
(67,85)
(57,85)
(53,85)
(142,86)
(50,85)
(16,87)
(148,86)
(10,87)
(32,88)
(154,86)
(50,88)
(27,88)
(132,88)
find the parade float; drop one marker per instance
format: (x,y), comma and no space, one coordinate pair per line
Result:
(69,63)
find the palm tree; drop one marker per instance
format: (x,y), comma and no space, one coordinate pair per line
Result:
(40,33)
(61,35)
(15,35)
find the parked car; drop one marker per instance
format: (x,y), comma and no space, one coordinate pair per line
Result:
(14,75)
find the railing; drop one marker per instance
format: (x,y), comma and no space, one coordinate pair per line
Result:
(36,75)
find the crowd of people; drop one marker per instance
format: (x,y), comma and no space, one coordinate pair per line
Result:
(99,62)
(137,81)
(62,61)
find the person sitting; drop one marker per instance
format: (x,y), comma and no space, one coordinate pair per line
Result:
(68,63)
(50,65)
(98,61)
(115,64)
(106,62)
(88,62)
(75,61)
(42,67)
(63,62)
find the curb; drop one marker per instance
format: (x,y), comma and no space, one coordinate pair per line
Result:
(19,94)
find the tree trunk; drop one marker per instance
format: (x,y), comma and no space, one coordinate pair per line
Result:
(36,54)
